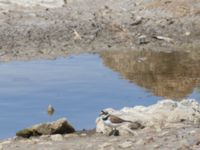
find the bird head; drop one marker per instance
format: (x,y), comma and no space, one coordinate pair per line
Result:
(104,115)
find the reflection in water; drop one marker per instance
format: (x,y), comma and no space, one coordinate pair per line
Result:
(170,75)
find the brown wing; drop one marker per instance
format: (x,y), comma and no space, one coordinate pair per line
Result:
(115,119)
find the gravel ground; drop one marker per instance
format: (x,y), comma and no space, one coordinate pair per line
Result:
(181,136)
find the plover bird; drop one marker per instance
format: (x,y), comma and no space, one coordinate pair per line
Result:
(112,121)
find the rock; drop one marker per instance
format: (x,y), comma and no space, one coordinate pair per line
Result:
(83,134)
(165,113)
(187,33)
(164,133)
(137,21)
(61,126)
(192,132)
(44,137)
(167,39)
(26,133)
(57,137)
(140,142)
(113,140)
(142,39)
(104,145)
(156,146)
(70,135)
(45,143)
(76,35)
(126,144)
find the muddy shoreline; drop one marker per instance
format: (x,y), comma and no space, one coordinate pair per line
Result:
(28,33)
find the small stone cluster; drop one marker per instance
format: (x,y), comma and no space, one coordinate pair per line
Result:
(61,126)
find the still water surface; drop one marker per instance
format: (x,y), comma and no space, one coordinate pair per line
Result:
(80,86)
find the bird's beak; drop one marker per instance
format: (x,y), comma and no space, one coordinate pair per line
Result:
(101,113)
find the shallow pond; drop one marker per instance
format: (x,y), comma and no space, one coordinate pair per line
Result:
(80,86)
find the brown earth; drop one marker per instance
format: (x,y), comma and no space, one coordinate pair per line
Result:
(93,25)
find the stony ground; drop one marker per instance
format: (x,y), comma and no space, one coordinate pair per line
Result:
(181,136)
(94,25)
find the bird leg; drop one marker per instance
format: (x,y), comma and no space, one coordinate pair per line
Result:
(111,132)
(114,132)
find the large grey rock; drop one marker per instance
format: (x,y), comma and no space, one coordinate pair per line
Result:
(165,113)
(61,126)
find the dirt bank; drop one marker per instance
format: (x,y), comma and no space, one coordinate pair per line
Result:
(93,25)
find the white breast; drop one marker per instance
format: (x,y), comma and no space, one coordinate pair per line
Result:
(110,124)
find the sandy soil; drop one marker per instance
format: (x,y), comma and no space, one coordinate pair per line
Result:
(93,25)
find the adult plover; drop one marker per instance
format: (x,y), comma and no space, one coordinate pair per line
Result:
(112,121)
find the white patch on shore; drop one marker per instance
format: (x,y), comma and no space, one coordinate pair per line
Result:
(162,114)
(32,3)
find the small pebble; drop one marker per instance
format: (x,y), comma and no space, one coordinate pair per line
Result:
(105,145)
(140,142)
(45,143)
(57,137)
(44,137)
(83,134)
(156,146)
(126,144)
(187,33)
(70,135)
(192,132)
